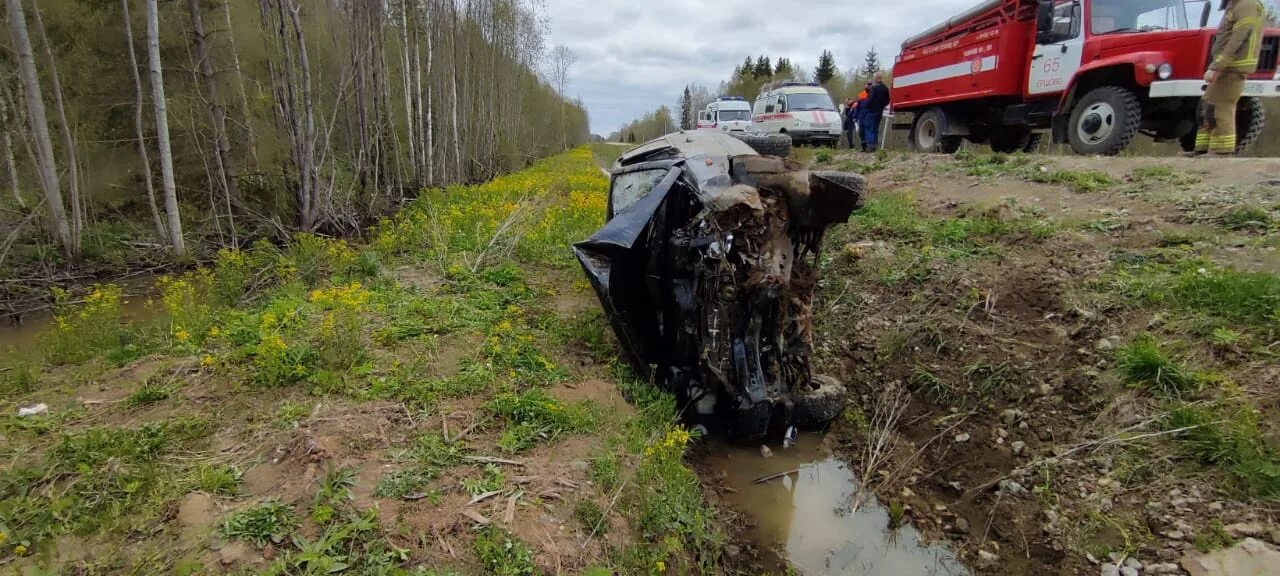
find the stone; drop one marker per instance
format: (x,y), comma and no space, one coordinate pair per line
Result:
(765,452)
(962,525)
(907,493)
(1018,447)
(987,558)
(235,552)
(1110,569)
(1250,556)
(732,550)
(1215,507)
(1275,536)
(1174,535)
(1243,530)
(1162,568)
(1012,416)
(1127,571)
(1104,345)
(1132,562)
(1010,487)
(962,437)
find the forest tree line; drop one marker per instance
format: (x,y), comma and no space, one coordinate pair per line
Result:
(147,124)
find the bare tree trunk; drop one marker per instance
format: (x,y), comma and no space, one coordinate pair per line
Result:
(424,107)
(407,74)
(6,140)
(308,171)
(40,128)
(170,188)
(250,138)
(453,87)
(138,126)
(69,141)
(12,167)
(227,174)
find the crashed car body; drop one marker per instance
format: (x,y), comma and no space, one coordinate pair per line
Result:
(706,268)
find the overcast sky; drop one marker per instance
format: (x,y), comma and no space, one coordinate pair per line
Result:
(637,54)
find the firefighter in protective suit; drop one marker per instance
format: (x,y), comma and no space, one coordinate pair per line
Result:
(1235,55)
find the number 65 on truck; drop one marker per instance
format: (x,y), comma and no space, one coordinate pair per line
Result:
(1091,73)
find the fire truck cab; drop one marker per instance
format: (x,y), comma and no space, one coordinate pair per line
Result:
(1092,73)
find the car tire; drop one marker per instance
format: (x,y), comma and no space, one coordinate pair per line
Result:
(1104,121)
(1251,117)
(927,136)
(767,144)
(846,179)
(815,407)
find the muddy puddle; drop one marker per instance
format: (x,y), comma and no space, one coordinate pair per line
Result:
(808,518)
(18,338)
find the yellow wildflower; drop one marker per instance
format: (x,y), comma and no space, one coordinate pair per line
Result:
(182,335)
(661,566)
(215,332)
(3,537)
(20,550)
(208,361)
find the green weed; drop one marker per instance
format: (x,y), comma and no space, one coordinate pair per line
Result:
(1214,538)
(1246,297)
(1079,181)
(590,517)
(1142,363)
(149,393)
(1247,218)
(503,555)
(269,522)
(490,480)
(534,416)
(934,388)
(1144,175)
(404,483)
(83,329)
(1226,434)
(220,480)
(604,470)
(823,155)
(289,414)
(897,514)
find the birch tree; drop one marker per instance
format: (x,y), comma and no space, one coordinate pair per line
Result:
(68,138)
(138,110)
(160,106)
(34,97)
(228,176)
(562,59)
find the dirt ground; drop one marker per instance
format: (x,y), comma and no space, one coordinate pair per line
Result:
(988,358)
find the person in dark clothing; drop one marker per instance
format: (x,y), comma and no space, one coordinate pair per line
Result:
(850,120)
(878,99)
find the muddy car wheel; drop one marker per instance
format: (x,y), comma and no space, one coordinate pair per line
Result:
(845,179)
(815,407)
(767,144)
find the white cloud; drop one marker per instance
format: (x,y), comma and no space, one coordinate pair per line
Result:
(637,54)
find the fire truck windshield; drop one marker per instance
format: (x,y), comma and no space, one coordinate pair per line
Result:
(1131,16)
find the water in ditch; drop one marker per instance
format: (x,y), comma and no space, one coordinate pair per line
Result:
(817,519)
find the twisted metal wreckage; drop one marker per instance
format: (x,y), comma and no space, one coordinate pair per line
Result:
(707,268)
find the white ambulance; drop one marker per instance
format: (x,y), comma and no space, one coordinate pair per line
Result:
(726,114)
(802,110)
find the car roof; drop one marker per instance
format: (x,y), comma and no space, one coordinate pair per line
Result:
(691,143)
(800,90)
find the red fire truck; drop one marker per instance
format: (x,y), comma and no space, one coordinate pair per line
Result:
(1092,73)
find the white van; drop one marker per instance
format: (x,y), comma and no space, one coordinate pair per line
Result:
(804,111)
(726,114)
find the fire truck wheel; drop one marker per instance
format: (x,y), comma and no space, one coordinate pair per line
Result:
(768,144)
(927,137)
(1104,121)
(1009,140)
(1250,119)
(1033,143)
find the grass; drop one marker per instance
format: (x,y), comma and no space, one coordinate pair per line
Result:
(1247,218)
(1079,181)
(897,216)
(269,522)
(1161,175)
(1142,363)
(274,332)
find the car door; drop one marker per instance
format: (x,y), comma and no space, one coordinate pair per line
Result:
(1059,54)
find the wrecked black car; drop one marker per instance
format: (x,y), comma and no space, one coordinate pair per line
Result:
(706,268)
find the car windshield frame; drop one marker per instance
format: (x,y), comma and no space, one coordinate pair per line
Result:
(805,101)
